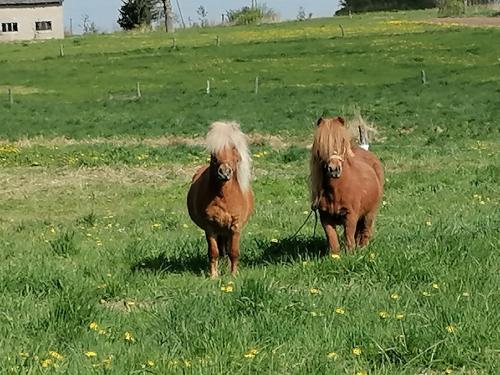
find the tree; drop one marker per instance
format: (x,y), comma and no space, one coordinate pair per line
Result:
(202,15)
(88,26)
(169,15)
(134,13)
(371,5)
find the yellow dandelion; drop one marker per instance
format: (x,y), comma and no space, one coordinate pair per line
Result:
(94,326)
(395,296)
(340,311)
(304,263)
(426,294)
(185,226)
(46,362)
(24,354)
(400,316)
(451,328)
(428,223)
(356,351)
(314,291)
(52,230)
(251,353)
(305,212)
(383,314)
(229,288)
(107,362)
(90,354)
(448,371)
(332,355)
(373,256)
(361,372)
(466,294)
(435,286)
(127,336)
(187,363)
(275,240)
(156,225)
(150,363)
(56,355)
(335,256)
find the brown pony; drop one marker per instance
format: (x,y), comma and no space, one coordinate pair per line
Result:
(346,184)
(220,199)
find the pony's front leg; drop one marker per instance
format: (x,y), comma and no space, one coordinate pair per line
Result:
(234,252)
(331,234)
(213,254)
(350,225)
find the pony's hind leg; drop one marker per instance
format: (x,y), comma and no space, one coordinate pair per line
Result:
(360,227)
(213,254)
(234,252)
(367,231)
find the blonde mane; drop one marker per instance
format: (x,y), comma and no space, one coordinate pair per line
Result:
(330,138)
(229,134)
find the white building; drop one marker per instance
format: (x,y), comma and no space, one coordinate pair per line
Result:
(31,19)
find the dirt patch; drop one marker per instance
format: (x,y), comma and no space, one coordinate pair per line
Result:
(468,21)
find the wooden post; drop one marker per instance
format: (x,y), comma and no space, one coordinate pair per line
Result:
(350,14)
(423,77)
(217,41)
(138,87)
(342,30)
(61,50)
(174,43)
(11,97)
(256,85)
(208,86)
(223,18)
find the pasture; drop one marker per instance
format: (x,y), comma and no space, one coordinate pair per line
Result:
(102,270)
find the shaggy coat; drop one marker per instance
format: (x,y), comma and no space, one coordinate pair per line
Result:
(220,199)
(346,184)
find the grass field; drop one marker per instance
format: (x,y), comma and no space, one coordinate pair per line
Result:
(103,272)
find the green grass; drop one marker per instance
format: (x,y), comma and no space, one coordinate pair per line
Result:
(94,227)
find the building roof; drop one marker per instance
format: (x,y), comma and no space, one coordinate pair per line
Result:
(29,2)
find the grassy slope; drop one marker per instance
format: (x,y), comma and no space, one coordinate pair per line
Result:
(98,232)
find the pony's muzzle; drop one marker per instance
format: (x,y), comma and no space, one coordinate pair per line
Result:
(224,172)
(334,171)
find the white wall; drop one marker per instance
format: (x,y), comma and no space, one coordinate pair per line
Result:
(26,18)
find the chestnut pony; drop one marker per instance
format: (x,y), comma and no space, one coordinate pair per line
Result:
(346,184)
(220,199)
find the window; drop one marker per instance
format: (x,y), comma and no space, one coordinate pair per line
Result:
(9,27)
(43,25)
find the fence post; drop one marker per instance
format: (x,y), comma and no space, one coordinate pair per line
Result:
(217,41)
(174,43)
(342,30)
(61,50)
(11,97)
(423,77)
(256,85)
(208,86)
(138,87)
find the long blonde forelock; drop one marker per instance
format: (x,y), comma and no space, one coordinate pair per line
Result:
(228,134)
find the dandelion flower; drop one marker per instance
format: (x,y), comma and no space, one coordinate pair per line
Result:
(94,326)
(24,354)
(314,291)
(451,328)
(185,226)
(274,240)
(340,311)
(332,355)
(56,355)
(356,351)
(466,294)
(373,256)
(90,354)
(383,314)
(448,371)
(46,362)
(435,286)
(361,372)
(127,336)
(186,363)
(229,288)
(335,256)
(400,316)
(426,294)
(150,363)
(428,223)
(156,225)
(251,353)
(395,296)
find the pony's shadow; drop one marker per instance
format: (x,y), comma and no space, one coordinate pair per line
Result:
(196,264)
(286,250)
(289,250)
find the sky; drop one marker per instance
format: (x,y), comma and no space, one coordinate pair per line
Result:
(105,12)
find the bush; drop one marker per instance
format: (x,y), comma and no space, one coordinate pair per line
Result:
(451,8)
(248,16)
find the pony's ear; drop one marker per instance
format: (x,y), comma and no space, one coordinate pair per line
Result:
(319,121)
(341,120)
(236,153)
